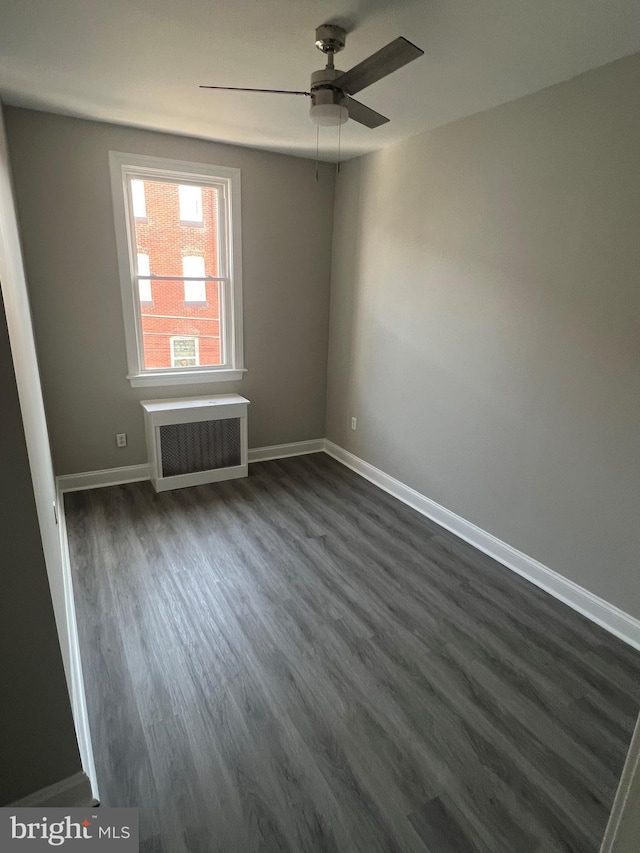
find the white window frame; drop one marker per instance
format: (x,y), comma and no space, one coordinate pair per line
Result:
(196,348)
(125,167)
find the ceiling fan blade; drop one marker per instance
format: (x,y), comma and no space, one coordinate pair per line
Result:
(242,89)
(365,115)
(384,61)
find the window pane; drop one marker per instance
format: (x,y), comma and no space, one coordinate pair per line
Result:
(180,309)
(137,197)
(190,203)
(144,285)
(194,291)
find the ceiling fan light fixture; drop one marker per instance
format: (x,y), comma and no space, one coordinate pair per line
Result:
(328,114)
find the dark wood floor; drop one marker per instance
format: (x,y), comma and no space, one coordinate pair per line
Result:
(298,662)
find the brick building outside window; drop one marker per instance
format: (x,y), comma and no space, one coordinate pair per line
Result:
(176,234)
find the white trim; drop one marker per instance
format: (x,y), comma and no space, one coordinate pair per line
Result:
(76,687)
(106,477)
(606,615)
(200,377)
(282,451)
(73,792)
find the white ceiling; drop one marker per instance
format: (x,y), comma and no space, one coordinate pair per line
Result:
(139,62)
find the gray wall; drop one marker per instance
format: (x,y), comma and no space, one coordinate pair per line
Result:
(61,176)
(37,738)
(485,323)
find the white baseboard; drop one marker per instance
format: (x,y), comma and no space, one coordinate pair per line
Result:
(73,792)
(138,473)
(106,477)
(281,451)
(606,615)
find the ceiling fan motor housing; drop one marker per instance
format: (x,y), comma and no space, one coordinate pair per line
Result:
(328,103)
(322,89)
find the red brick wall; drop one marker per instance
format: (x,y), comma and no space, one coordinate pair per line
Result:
(166,240)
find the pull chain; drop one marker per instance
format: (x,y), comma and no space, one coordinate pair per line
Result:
(317,146)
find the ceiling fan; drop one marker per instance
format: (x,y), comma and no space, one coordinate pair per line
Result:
(331,90)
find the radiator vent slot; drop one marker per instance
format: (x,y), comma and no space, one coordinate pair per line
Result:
(200,446)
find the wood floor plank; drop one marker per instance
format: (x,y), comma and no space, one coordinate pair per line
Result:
(439,829)
(296,661)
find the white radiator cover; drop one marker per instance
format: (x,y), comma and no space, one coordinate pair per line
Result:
(196,440)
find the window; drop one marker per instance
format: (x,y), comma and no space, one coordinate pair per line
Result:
(190,198)
(183,322)
(184,352)
(138,199)
(144,285)
(194,291)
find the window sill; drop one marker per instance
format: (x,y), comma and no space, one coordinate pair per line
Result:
(200,377)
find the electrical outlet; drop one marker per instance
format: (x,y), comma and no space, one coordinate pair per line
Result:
(121,439)
(354,423)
